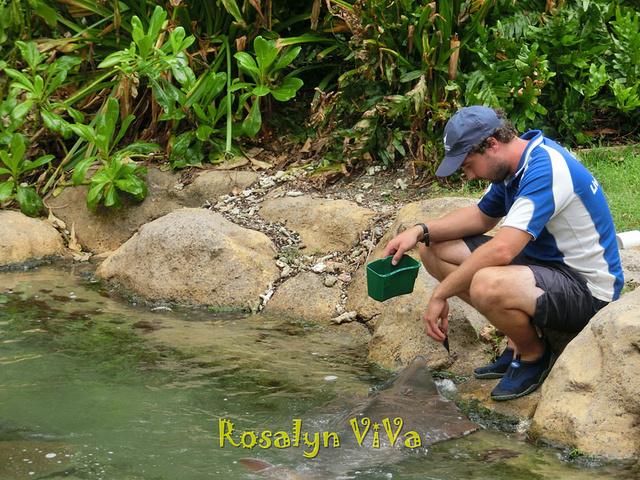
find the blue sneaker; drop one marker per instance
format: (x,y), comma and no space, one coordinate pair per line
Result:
(522,377)
(497,369)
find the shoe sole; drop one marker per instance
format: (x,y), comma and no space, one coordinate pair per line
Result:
(532,388)
(488,375)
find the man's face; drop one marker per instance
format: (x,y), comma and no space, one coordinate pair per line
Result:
(486,166)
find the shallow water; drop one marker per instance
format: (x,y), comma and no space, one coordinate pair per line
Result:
(94,387)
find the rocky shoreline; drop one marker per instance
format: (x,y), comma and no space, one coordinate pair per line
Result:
(265,242)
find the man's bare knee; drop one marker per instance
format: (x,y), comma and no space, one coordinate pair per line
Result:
(488,289)
(506,287)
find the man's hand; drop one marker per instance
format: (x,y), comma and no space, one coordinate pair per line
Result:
(402,243)
(437,309)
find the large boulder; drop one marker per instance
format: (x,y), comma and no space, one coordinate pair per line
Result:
(323,225)
(398,329)
(194,256)
(23,238)
(590,399)
(108,228)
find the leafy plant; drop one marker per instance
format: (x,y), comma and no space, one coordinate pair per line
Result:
(118,172)
(39,82)
(16,166)
(266,70)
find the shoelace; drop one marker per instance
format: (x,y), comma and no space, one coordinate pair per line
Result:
(514,366)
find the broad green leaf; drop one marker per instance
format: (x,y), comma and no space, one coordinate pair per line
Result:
(145,45)
(266,52)
(175,38)
(180,144)
(123,129)
(55,83)
(11,163)
(139,192)
(203,132)
(85,132)
(49,14)
(116,58)
(139,148)
(55,123)
(206,89)
(202,115)
(106,126)
(38,84)
(251,125)
(80,170)
(111,197)
(77,115)
(30,53)
(94,194)
(21,110)
(288,89)
(22,79)
(134,186)
(18,147)
(66,63)
(240,85)
(232,7)
(137,27)
(261,91)
(6,189)
(38,162)
(247,64)
(288,56)
(30,201)
(182,72)
(157,19)
(101,176)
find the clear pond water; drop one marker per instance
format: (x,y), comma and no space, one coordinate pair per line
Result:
(94,387)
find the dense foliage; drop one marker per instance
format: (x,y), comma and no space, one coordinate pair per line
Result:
(89,86)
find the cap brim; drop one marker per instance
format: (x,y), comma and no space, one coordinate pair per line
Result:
(450,165)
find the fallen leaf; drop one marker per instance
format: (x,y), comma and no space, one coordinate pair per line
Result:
(74,245)
(55,222)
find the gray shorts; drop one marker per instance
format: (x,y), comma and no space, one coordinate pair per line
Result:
(566,304)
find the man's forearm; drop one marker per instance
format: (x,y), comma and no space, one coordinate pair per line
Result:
(460,223)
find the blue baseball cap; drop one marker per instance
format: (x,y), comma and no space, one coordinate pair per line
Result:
(466,128)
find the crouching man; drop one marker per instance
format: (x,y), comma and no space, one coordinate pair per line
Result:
(553,263)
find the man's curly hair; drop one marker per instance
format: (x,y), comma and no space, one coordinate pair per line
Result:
(504,134)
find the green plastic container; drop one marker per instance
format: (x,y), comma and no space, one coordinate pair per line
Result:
(385,281)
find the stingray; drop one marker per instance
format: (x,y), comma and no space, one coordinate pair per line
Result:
(406,413)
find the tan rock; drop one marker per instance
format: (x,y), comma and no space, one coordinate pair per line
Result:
(398,330)
(323,225)
(24,238)
(590,399)
(194,256)
(305,296)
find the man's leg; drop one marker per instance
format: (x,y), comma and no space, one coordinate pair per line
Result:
(507,296)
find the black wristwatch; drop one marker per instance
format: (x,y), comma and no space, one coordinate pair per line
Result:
(425,236)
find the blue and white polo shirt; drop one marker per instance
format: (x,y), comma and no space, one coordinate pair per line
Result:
(553,197)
